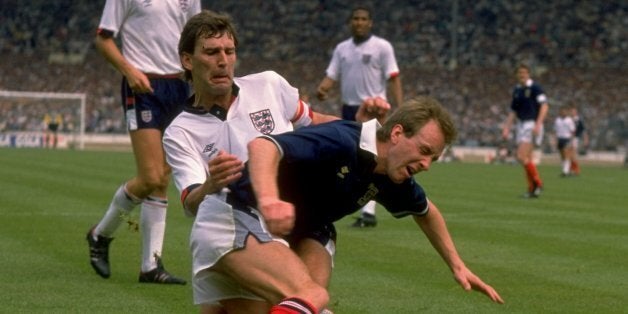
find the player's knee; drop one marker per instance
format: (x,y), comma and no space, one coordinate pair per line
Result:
(156,180)
(315,294)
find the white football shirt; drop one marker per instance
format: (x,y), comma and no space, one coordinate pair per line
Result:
(363,70)
(150,31)
(265,104)
(564,127)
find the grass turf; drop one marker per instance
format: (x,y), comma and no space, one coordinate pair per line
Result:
(563,253)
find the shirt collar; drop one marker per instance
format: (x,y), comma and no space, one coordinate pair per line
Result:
(368,138)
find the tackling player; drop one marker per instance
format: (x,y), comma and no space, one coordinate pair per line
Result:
(206,143)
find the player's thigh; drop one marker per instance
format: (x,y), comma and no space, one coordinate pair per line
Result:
(317,259)
(270,270)
(245,306)
(149,153)
(524,151)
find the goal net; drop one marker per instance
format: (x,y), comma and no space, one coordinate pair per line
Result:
(28,119)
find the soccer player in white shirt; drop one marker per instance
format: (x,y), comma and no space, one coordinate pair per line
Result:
(565,129)
(206,146)
(152,95)
(365,65)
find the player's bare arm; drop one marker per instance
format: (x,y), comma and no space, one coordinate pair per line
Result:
(322,92)
(508,124)
(541,118)
(434,226)
(137,80)
(224,169)
(264,159)
(396,90)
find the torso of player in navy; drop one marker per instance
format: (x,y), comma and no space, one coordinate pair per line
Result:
(525,100)
(327,176)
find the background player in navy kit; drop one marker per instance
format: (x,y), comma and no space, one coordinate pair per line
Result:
(350,163)
(529,107)
(365,65)
(152,94)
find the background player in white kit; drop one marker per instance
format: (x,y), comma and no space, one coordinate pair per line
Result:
(565,130)
(206,144)
(365,65)
(152,95)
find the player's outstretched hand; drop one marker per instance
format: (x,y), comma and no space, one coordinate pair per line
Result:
(373,108)
(279,215)
(224,169)
(468,280)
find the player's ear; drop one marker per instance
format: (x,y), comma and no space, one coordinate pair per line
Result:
(395,133)
(186,61)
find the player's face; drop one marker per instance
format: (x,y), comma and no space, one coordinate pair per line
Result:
(361,23)
(410,155)
(523,75)
(212,65)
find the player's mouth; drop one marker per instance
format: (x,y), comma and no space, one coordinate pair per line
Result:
(221,78)
(410,171)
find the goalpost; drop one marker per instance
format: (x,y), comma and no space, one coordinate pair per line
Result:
(10,100)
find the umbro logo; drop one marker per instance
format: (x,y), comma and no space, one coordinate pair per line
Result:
(210,149)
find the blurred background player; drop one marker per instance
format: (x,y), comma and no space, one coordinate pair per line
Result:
(153,93)
(529,107)
(365,65)
(565,128)
(52,123)
(580,141)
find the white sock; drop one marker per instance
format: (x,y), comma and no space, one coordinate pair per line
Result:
(369,208)
(566,166)
(121,205)
(153,227)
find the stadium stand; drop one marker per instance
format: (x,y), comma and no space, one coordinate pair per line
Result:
(577,49)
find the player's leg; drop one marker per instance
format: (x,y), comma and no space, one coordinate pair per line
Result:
(367,216)
(317,259)
(151,183)
(272,271)
(525,148)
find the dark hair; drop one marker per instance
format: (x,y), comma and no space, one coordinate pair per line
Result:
(413,114)
(361,8)
(205,24)
(522,66)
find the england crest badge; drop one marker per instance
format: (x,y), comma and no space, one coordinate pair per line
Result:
(263,121)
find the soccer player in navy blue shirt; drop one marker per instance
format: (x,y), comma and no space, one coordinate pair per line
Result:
(300,180)
(529,107)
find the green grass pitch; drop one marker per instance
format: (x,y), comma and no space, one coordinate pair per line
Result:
(566,252)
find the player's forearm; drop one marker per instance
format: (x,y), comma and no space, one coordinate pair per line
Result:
(318,118)
(542,114)
(108,48)
(434,226)
(396,90)
(324,87)
(263,168)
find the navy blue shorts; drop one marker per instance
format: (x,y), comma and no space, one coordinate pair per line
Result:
(154,110)
(562,143)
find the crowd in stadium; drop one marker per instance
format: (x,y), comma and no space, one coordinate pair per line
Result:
(577,51)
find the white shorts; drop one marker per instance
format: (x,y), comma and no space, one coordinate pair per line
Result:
(217,230)
(524,133)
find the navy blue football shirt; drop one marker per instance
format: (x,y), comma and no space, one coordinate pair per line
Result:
(326,172)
